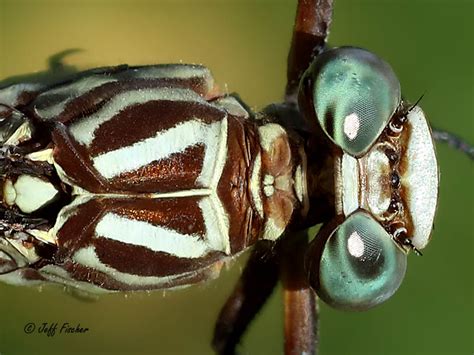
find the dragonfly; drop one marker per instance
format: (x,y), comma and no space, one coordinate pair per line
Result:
(294,80)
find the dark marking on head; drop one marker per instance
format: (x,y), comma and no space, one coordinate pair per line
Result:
(395,180)
(329,117)
(392,156)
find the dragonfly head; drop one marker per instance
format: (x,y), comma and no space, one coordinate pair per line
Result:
(385,177)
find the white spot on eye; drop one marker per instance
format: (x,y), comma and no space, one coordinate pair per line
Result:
(355,245)
(351,125)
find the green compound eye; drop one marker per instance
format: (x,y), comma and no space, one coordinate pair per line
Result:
(360,265)
(355,94)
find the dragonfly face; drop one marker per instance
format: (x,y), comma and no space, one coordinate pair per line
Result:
(386,177)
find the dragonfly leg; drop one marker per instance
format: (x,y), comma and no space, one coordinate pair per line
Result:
(313,18)
(301,313)
(252,291)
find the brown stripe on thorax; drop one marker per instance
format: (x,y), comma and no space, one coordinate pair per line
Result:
(138,260)
(233,188)
(124,80)
(78,229)
(138,122)
(182,215)
(76,162)
(175,173)
(179,171)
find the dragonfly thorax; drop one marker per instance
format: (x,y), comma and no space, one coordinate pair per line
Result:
(177,175)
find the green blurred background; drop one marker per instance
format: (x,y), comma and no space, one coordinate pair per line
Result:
(245,43)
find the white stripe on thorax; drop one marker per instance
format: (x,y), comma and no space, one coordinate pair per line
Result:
(10,95)
(172,71)
(216,222)
(160,195)
(153,237)
(216,219)
(161,146)
(255,184)
(84,130)
(215,155)
(73,90)
(269,133)
(54,273)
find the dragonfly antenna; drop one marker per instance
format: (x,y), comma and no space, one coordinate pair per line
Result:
(454,141)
